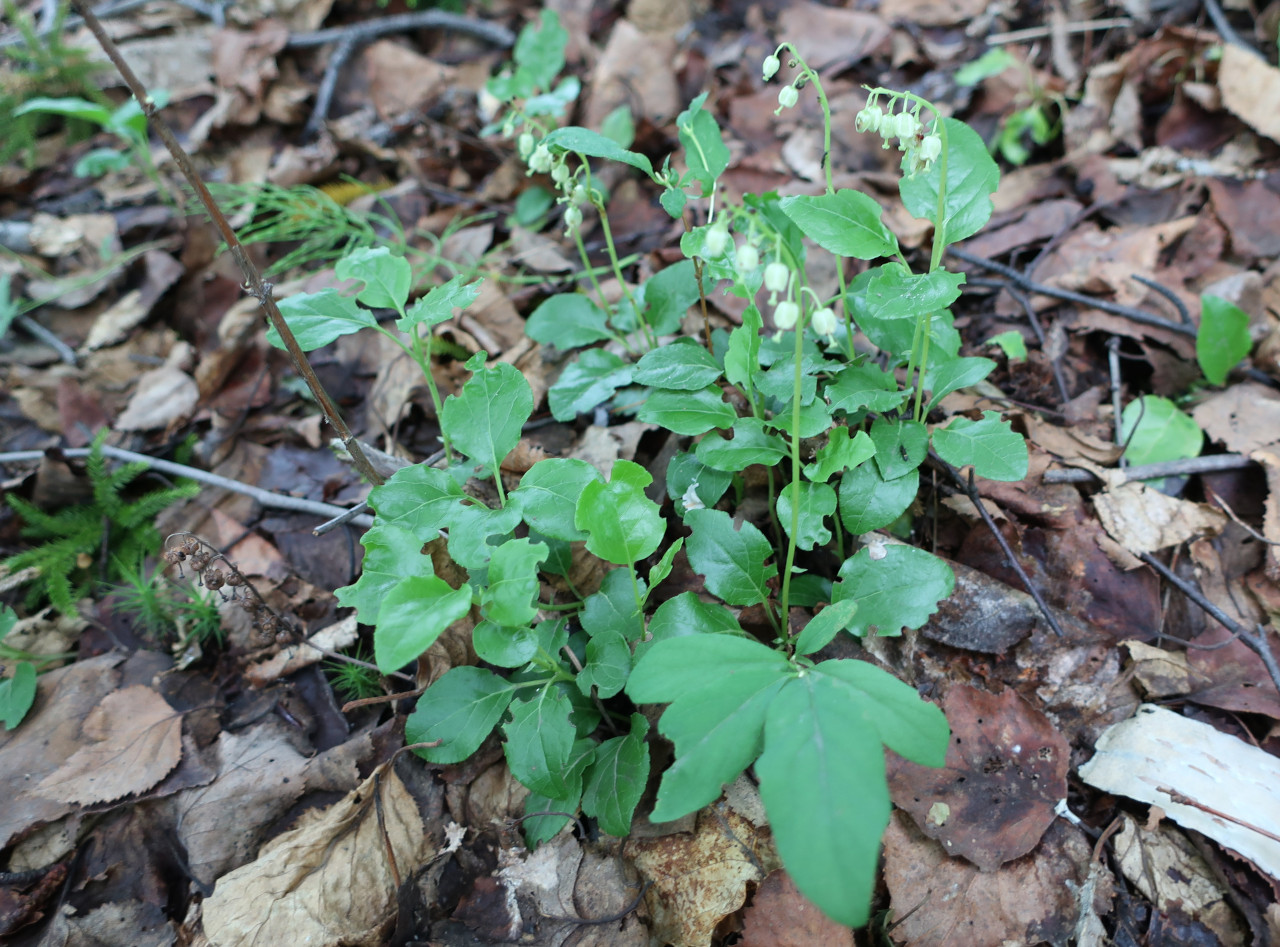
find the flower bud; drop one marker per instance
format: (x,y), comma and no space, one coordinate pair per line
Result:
(788,96)
(572,219)
(524,145)
(771,66)
(868,120)
(824,321)
(786,315)
(580,195)
(747,259)
(776,277)
(930,148)
(715,240)
(540,160)
(560,173)
(906,125)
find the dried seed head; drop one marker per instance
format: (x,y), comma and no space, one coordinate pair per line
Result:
(213,579)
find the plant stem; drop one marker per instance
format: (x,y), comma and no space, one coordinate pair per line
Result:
(424,363)
(649,337)
(795,471)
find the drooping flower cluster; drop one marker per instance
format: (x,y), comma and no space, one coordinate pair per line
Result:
(920,147)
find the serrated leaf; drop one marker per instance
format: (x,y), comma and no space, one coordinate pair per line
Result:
(420,499)
(485,420)
(901,446)
(584,141)
(705,152)
(471,529)
(955,374)
(549,494)
(607,665)
(751,444)
(614,607)
(502,646)
(865,386)
(683,366)
(585,383)
(1222,339)
(839,453)
(387,278)
(17,694)
(459,710)
(568,321)
(391,554)
(685,471)
(898,591)
(1156,430)
(688,413)
(894,293)
(972,177)
(624,525)
(316,319)
(994,449)
(826,625)
(822,780)
(539,742)
(513,582)
(817,502)
(437,305)
(846,223)
(668,295)
(617,778)
(720,687)
(731,560)
(869,502)
(815,419)
(413,615)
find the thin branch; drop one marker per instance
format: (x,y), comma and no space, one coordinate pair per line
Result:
(41,334)
(1213,463)
(254,283)
(276,501)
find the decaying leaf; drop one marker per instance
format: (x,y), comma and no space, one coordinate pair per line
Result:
(1144,520)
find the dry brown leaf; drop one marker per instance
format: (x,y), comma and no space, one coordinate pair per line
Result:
(245,66)
(700,878)
(1160,673)
(1143,520)
(635,70)
(1250,89)
(780,916)
(339,635)
(330,881)
(829,35)
(133,740)
(1245,417)
(401,80)
(1270,460)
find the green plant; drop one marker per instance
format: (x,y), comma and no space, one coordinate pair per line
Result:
(840,438)
(73,540)
(1034,114)
(18,690)
(355,681)
(127,122)
(160,605)
(1222,340)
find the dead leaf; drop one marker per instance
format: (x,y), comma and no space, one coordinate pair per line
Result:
(401,80)
(131,741)
(1270,461)
(780,916)
(163,396)
(634,69)
(331,881)
(1144,520)
(1244,417)
(830,35)
(339,635)
(1250,89)
(1160,673)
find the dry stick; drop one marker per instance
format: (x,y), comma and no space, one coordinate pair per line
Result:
(276,501)
(254,284)
(1255,641)
(41,334)
(1214,463)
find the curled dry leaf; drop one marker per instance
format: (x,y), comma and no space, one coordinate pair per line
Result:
(133,740)
(1144,520)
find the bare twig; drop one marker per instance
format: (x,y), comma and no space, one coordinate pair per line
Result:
(1214,463)
(41,334)
(1168,294)
(254,283)
(1040,32)
(419,20)
(1255,641)
(276,501)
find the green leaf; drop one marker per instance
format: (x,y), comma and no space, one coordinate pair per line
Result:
(720,687)
(593,378)
(17,694)
(826,625)
(895,293)
(686,614)
(705,152)
(617,779)
(539,742)
(659,573)
(316,319)
(438,305)
(779,381)
(392,553)
(688,412)
(542,828)
(751,444)
(817,502)
(815,419)
(994,449)
(568,321)
(972,177)
(502,646)
(846,223)
(549,494)
(100,161)
(899,591)
(955,374)
(513,582)
(1223,338)
(864,386)
(895,336)
(539,53)
(840,452)
(822,780)
(869,502)
(413,615)
(557,101)
(624,525)
(900,446)
(1155,430)
(683,366)
(991,63)
(473,527)
(668,296)
(387,278)
(420,499)
(613,608)
(911,727)
(485,421)
(459,710)
(69,107)
(1011,343)
(685,471)
(619,127)
(673,201)
(584,141)
(732,560)
(743,355)
(607,665)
